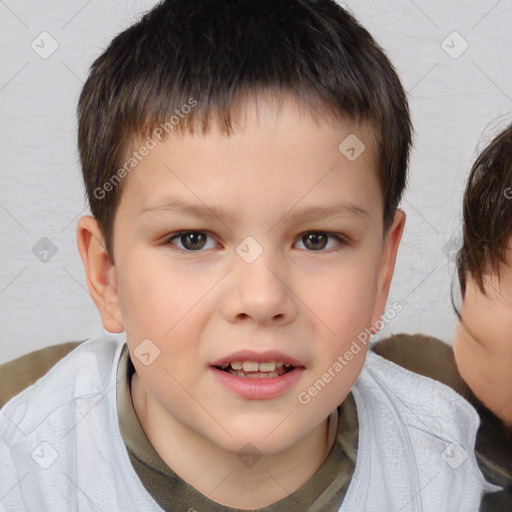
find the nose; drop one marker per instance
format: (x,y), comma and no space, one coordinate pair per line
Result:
(260,291)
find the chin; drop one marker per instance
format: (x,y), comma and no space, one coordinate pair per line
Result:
(256,441)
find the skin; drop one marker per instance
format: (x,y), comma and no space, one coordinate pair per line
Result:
(199,306)
(483,343)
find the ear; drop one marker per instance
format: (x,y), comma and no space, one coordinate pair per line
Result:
(387,264)
(100,272)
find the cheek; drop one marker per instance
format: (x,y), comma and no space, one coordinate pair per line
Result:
(154,296)
(344,303)
(462,350)
(488,321)
(347,298)
(163,303)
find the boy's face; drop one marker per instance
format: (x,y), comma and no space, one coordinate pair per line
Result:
(483,345)
(264,278)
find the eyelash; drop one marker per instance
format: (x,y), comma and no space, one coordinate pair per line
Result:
(343,241)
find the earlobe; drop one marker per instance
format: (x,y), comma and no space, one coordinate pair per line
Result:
(100,273)
(387,263)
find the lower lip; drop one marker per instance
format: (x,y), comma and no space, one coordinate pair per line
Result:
(257,388)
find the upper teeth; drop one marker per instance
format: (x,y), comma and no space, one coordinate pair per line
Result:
(254,366)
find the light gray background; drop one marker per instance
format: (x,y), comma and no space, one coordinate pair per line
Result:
(458,104)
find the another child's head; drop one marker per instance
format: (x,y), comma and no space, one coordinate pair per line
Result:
(244,160)
(483,347)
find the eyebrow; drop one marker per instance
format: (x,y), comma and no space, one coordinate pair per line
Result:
(172,204)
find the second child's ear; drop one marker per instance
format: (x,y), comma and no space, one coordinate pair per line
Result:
(100,273)
(387,263)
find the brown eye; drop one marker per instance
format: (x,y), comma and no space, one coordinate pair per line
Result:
(315,241)
(319,240)
(191,240)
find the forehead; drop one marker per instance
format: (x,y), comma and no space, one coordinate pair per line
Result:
(276,152)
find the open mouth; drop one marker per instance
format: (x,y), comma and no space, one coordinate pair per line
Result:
(257,376)
(255,370)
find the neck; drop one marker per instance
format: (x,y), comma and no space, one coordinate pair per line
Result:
(226,477)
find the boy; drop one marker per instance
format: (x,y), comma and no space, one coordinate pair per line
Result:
(244,161)
(480,365)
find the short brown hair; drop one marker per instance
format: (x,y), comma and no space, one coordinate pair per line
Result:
(212,51)
(487,212)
